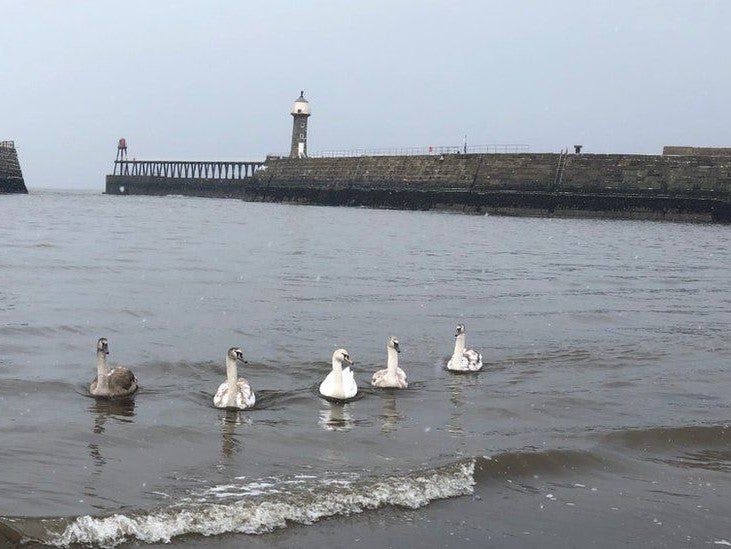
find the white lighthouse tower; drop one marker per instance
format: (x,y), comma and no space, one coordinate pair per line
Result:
(300,113)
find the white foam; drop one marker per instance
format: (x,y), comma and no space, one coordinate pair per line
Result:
(264,514)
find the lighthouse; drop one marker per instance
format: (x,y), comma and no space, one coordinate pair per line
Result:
(300,113)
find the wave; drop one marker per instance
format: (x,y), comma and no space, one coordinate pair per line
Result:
(13,387)
(526,463)
(660,438)
(256,508)
(26,329)
(708,460)
(698,446)
(706,447)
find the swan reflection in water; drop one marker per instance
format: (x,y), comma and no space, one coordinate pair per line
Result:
(390,416)
(230,439)
(455,397)
(121,409)
(336,417)
(103,410)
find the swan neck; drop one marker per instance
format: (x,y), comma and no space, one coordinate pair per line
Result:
(101,369)
(232,375)
(392,360)
(459,345)
(337,388)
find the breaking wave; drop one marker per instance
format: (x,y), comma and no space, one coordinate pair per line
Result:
(260,508)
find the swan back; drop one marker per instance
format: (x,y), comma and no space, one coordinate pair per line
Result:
(242,397)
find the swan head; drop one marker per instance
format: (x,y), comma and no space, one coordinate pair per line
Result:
(102,346)
(236,354)
(459,331)
(393,343)
(341,355)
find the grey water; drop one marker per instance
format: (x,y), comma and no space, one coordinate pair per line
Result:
(601,417)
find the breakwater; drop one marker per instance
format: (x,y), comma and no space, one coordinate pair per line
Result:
(672,187)
(11,176)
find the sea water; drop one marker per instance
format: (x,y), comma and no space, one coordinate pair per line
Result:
(601,416)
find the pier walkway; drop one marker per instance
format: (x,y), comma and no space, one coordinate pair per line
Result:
(187,169)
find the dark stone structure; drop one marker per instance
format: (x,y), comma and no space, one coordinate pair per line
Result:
(11,176)
(691,188)
(696,151)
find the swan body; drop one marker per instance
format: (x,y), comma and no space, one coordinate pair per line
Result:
(235,392)
(117,382)
(392,376)
(463,360)
(340,382)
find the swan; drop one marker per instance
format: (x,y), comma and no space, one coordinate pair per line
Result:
(463,360)
(340,383)
(235,392)
(117,382)
(392,376)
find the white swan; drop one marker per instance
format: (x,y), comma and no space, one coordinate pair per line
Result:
(392,376)
(235,392)
(117,382)
(340,383)
(463,360)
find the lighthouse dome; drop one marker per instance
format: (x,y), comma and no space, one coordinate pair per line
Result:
(301,106)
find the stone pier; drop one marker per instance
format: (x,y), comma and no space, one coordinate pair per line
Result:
(11,176)
(671,187)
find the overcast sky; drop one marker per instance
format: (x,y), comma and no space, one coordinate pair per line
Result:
(216,79)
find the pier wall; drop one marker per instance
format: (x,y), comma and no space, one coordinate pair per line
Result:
(538,172)
(694,188)
(696,151)
(164,186)
(11,176)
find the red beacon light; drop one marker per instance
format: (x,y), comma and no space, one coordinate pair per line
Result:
(122,149)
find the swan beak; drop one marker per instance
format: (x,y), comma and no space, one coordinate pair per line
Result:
(349,361)
(395,346)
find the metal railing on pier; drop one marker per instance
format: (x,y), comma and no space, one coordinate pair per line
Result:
(187,169)
(419,151)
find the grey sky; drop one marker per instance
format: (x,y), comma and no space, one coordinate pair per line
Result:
(199,80)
